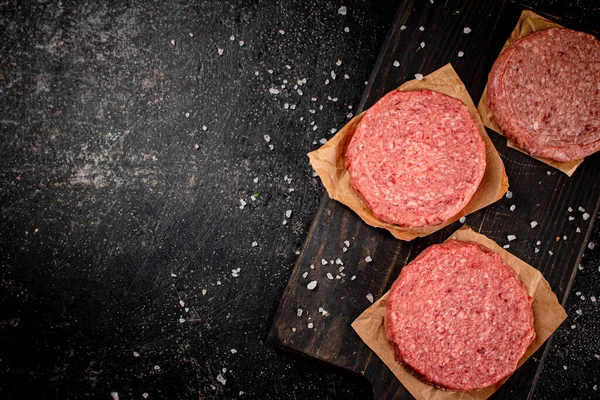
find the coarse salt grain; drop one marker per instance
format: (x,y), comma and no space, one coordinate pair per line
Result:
(511,238)
(173,42)
(323,261)
(342,10)
(203,292)
(533,224)
(369,297)
(310,325)
(550,252)
(311,285)
(368,259)
(509,195)
(323,141)
(233,351)
(281,31)
(288,213)
(274,91)
(422,45)
(467,30)
(569,209)
(506,246)
(462,220)
(254,244)
(513,207)
(581,209)
(571,218)
(333,75)
(419,77)
(338,261)
(221,380)
(353,277)
(299,312)
(338,62)
(329,276)
(461,53)
(220,51)
(347,243)
(585,216)
(536,250)
(421,28)
(344,249)
(578,230)
(591,245)
(579,312)
(136,354)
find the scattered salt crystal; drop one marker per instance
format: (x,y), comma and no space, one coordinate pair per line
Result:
(323,141)
(299,92)
(203,292)
(196,146)
(254,244)
(585,216)
(271,147)
(173,42)
(311,285)
(293,329)
(342,10)
(281,31)
(571,218)
(462,220)
(233,351)
(509,195)
(181,320)
(186,309)
(511,238)
(329,276)
(513,207)
(191,34)
(292,106)
(591,245)
(157,367)
(288,66)
(333,75)
(338,277)
(419,77)
(538,242)
(304,275)
(422,44)
(310,325)
(344,249)
(593,299)
(231,37)
(368,259)
(569,209)
(581,209)
(346,76)
(204,127)
(582,297)
(506,246)
(187,115)
(595,387)
(579,312)
(573,326)
(338,261)
(369,297)
(145,395)
(181,303)
(533,224)
(242,204)
(267,138)
(221,380)
(241,43)
(299,312)
(421,28)
(331,262)
(312,266)
(396,64)
(349,115)
(338,62)
(284,222)
(565,367)
(270,71)
(461,53)
(288,213)
(173,275)
(467,30)
(340,269)
(353,277)
(220,51)
(347,243)
(346,29)
(536,250)
(578,294)
(403,27)
(114,395)
(323,261)
(136,354)
(274,91)
(550,252)
(564,238)
(578,230)
(327,81)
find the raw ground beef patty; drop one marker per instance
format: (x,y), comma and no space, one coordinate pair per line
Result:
(544,92)
(458,317)
(416,158)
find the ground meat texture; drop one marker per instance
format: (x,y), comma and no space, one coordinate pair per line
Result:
(458,317)
(544,92)
(416,158)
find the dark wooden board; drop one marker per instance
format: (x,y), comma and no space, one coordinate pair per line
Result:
(540,194)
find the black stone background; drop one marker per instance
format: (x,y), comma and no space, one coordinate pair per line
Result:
(113,222)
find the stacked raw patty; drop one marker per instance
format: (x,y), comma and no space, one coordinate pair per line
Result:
(458,317)
(544,92)
(416,158)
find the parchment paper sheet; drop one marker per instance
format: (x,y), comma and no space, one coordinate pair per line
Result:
(547,311)
(529,22)
(330,163)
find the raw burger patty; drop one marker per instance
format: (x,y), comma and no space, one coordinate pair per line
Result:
(458,317)
(416,158)
(544,92)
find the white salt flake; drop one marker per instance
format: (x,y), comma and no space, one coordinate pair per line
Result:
(342,10)
(274,91)
(187,115)
(312,266)
(461,53)
(346,76)
(462,220)
(593,299)
(564,238)
(585,216)
(233,351)
(353,277)
(509,195)
(242,204)
(338,62)
(220,51)
(288,213)
(281,31)
(231,37)
(513,207)
(241,43)
(550,252)
(533,224)
(181,320)
(403,27)
(221,380)
(571,218)
(173,42)
(203,292)
(304,275)
(299,312)
(204,127)
(310,325)
(114,395)
(578,230)
(267,138)
(311,285)
(396,64)
(338,277)
(511,238)
(347,243)
(270,71)
(579,312)
(196,146)
(329,276)
(136,354)
(181,303)
(338,261)
(284,222)
(344,249)
(369,297)
(299,92)
(565,367)
(419,77)
(346,29)
(536,250)
(547,172)
(254,244)
(323,261)
(191,34)
(570,209)
(323,141)
(145,395)
(573,326)
(422,45)
(591,245)
(173,275)
(157,367)
(538,242)
(581,209)
(421,28)
(467,30)
(506,246)
(333,75)
(368,259)
(340,269)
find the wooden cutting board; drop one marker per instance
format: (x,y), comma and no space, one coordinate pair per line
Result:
(540,194)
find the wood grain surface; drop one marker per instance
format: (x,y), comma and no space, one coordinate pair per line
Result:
(560,205)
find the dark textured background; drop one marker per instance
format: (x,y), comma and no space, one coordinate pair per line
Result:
(113,223)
